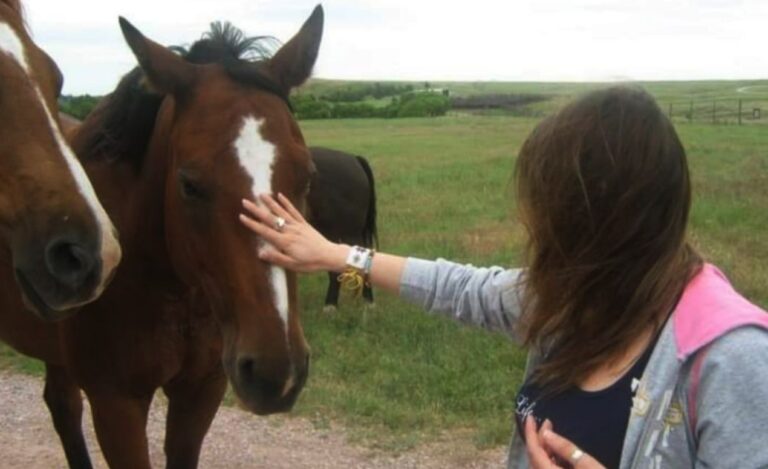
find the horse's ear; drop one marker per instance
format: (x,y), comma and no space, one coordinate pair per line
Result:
(167,72)
(293,63)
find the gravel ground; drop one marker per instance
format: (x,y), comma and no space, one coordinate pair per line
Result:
(236,440)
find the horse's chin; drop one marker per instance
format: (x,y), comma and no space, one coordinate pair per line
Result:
(36,304)
(259,407)
(255,400)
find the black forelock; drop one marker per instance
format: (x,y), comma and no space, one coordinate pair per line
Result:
(241,56)
(225,43)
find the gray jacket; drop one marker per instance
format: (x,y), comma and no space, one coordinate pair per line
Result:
(702,399)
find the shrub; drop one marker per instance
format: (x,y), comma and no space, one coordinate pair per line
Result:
(78,106)
(309,107)
(423,105)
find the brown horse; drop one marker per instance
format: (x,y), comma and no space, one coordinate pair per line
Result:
(58,245)
(171,168)
(341,205)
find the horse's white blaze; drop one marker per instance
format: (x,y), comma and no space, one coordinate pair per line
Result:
(110,248)
(11,45)
(257,157)
(280,288)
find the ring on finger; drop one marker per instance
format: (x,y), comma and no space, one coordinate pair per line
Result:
(576,455)
(280,224)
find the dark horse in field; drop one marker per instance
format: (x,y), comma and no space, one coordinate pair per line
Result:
(191,303)
(57,244)
(341,205)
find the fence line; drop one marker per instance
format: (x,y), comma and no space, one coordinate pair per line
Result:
(740,111)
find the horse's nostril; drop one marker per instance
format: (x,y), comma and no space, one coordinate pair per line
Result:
(254,380)
(246,367)
(69,263)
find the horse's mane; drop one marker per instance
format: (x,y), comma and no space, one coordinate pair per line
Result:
(125,119)
(120,126)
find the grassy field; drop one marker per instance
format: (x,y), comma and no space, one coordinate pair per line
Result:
(399,377)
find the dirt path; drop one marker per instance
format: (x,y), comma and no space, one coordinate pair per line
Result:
(236,440)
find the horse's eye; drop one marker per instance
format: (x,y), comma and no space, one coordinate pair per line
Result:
(190,189)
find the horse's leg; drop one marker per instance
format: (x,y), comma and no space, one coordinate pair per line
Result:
(332,295)
(62,396)
(191,409)
(120,422)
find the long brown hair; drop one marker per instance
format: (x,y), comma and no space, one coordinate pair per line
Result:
(604,193)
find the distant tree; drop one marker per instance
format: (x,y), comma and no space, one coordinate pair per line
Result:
(424,105)
(309,107)
(343,111)
(353,101)
(78,106)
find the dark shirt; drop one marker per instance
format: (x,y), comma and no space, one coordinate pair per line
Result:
(596,421)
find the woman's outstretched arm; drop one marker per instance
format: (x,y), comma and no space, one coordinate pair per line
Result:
(484,297)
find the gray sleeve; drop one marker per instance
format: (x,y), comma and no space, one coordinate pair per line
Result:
(732,424)
(485,297)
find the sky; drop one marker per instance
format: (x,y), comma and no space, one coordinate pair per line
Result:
(479,40)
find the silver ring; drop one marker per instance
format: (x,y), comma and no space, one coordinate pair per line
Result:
(576,455)
(280,224)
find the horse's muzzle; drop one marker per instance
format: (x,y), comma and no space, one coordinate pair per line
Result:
(262,393)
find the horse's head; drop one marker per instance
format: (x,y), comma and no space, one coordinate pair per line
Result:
(60,241)
(229,133)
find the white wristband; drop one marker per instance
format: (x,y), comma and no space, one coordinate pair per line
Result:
(358,258)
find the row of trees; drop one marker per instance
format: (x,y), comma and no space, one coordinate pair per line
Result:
(496,101)
(406,105)
(409,104)
(359,92)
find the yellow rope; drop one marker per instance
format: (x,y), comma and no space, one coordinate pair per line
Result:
(353,281)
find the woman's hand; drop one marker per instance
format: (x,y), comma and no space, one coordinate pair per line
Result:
(297,245)
(545,447)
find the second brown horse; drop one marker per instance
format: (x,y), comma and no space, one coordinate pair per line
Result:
(191,293)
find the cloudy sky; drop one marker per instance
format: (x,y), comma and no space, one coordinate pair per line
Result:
(530,40)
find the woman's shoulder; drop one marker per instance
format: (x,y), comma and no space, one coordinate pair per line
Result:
(710,309)
(727,401)
(739,349)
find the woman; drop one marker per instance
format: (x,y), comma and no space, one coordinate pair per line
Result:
(641,354)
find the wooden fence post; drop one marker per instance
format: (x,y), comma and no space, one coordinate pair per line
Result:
(690,113)
(740,111)
(671,110)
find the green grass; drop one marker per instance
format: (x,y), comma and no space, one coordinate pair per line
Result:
(397,377)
